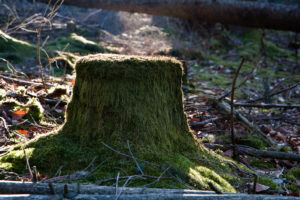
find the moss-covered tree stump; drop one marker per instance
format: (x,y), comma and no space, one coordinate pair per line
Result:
(117,99)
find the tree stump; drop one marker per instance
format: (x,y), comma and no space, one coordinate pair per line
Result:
(131,104)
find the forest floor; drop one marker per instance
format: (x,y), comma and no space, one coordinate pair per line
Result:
(268,93)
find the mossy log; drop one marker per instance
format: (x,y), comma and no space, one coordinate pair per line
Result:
(117,99)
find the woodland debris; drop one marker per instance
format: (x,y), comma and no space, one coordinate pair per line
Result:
(195,125)
(224,108)
(258,153)
(23,82)
(292,106)
(275,93)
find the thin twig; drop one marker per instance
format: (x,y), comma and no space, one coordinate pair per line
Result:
(125,184)
(132,177)
(232,108)
(247,77)
(91,163)
(27,164)
(275,93)
(117,183)
(5,126)
(128,156)
(134,159)
(158,179)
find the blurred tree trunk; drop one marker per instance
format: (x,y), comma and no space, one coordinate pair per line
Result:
(242,13)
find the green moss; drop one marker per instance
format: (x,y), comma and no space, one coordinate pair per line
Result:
(226,139)
(252,141)
(261,164)
(293,176)
(15,161)
(127,98)
(33,107)
(74,44)
(274,51)
(15,50)
(268,182)
(286,149)
(252,44)
(215,79)
(35,110)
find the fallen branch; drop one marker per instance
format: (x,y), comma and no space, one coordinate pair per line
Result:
(134,159)
(257,153)
(268,154)
(27,164)
(23,82)
(54,102)
(5,126)
(195,125)
(275,93)
(224,108)
(267,105)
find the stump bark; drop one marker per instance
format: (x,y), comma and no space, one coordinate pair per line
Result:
(131,104)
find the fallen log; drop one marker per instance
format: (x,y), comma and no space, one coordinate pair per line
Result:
(149,197)
(12,190)
(268,154)
(30,197)
(243,13)
(14,187)
(256,152)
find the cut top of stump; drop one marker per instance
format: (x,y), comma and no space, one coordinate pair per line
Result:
(122,58)
(110,66)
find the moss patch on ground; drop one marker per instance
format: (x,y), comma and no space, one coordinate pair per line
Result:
(127,98)
(15,51)
(268,182)
(75,44)
(293,176)
(64,49)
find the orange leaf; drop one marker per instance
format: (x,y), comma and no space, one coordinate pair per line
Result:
(19,114)
(23,132)
(73,82)
(194,120)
